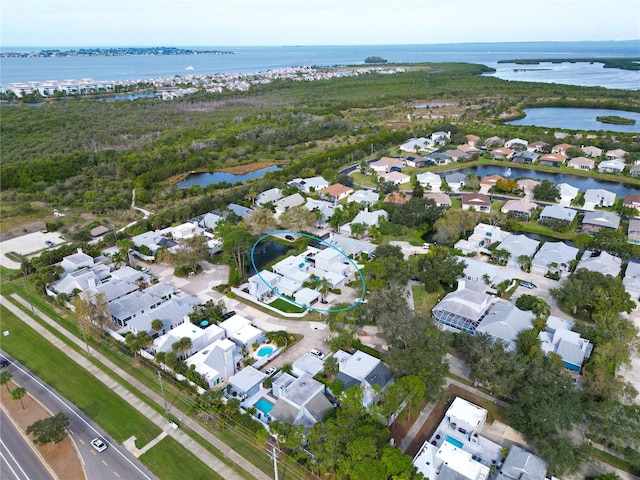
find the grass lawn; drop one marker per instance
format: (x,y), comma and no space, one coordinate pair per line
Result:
(169,460)
(424,301)
(86,392)
(363,180)
(285,306)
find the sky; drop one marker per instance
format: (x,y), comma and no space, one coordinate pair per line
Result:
(176,23)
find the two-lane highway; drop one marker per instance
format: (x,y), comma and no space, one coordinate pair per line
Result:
(113,463)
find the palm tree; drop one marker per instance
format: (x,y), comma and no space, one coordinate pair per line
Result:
(325,286)
(160,358)
(525,262)
(18,393)
(358,229)
(156,325)
(331,366)
(541,309)
(144,340)
(338,218)
(4,379)
(182,346)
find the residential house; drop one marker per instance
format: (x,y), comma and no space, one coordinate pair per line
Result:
(502,153)
(307,297)
(430,181)
(455,181)
(302,402)
(171,313)
(438,158)
(365,370)
(200,338)
(216,362)
(552,160)
(396,178)
(80,280)
(457,155)
(308,185)
(525,156)
(489,181)
(241,331)
(465,308)
(518,245)
(387,164)
(472,140)
(98,231)
(598,197)
(131,305)
(397,197)
(185,231)
(262,285)
(469,149)
(611,166)
(581,163)
(520,465)
(539,146)
(593,222)
(154,241)
(417,161)
(326,210)
(635,170)
(557,213)
(210,220)
(516,144)
(633,232)
(246,382)
(522,209)
(567,194)
(601,261)
(111,290)
(440,138)
(504,321)
(269,196)
(441,199)
(478,201)
(592,152)
(242,212)
(76,261)
(527,185)
(560,340)
(364,197)
(631,280)
(632,200)
(336,192)
(493,142)
(307,364)
(561,149)
(483,235)
(286,203)
(350,246)
(415,145)
(369,219)
(617,154)
(555,257)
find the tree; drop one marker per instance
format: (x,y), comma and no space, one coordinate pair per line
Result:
(472,182)
(297,219)
(331,366)
(337,219)
(528,343)
(501,256)
(237,245)
(181,347)
(562,454)
(156,325)
(345,179)
(525,262)
(5,376)
(261,221)
(18,393)
(546,191)
(453,225)
(49,430)
(92,310)
(192,251)
(358,229)
(324,286)
(440,268)
(507,185)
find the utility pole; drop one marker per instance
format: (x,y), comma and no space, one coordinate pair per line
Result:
(166,409)
(84,336)
(275,464)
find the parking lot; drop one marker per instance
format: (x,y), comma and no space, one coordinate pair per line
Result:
(26,245)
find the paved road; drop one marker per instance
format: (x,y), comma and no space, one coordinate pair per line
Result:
(18,460)
(115,462)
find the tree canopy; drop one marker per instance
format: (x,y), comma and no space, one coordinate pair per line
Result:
(49,430)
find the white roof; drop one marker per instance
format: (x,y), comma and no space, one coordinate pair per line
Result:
(364,196)
(233,324)
(430,178)
(467,412)
(247,378)
(305,296)
(370,218)
(558,212)
(358,365)
(290,201)
(267,196)
(308,364)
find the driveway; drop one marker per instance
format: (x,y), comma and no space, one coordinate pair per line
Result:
(26,245)
(408,249)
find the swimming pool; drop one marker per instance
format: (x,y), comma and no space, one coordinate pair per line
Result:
(265,350)
(454,442)
(264,405)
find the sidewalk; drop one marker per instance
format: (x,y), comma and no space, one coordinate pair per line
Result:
(186,441)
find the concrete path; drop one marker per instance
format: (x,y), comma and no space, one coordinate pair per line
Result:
(222,469)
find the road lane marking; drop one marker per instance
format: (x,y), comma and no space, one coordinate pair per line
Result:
(81,441)
(105,463)
(93,452)
(116,474)
(14,460)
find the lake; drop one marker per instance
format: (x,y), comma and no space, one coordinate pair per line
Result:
(582,183)
(211,178)
(577,119)
(265,253)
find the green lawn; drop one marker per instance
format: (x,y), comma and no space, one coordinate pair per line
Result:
(285,306)
(86,392)
(425,301)
(169,460)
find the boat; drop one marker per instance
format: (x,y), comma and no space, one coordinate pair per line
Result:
(189,68)
(508,174)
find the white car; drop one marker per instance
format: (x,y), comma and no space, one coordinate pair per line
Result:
(99,444)
(317,353)
(270,370)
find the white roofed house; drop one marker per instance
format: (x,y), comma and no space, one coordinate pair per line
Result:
(239,210)
(557,213)
(326,210)
(617,154)
(308,185)
(516,144)
(364,197)
(465,308)
(593,222)
(80,280)
(633,232)
(210,220)
(602,262)
(493,141)
(631,280)
(554,257)
(387,164)
(186,230)
(216,362)
(598,197)
(522,465)
(611,166)
(483,235)
(521,209)
(634,171)
(268,196)
(262,286)
(302,402)
(567,194)
(246,382)
(415,145)
(200,338)
(76,260)
(518,245)
(395,177)
(592,152)
(440,138)
(369,219)
(239,330)
(455,181)
(581,163)
(572,348)
(286,203)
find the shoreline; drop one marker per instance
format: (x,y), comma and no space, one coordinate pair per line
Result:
(235,170)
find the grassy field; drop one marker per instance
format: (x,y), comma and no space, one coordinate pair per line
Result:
(285,306)
(89,394)
(424,301)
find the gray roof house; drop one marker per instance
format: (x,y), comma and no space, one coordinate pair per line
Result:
(558,213)
(455,180)
(239,210)
(631,280)
(302,402)
(602,262)
(521,208)
(518,245)
(522,465)
(595,221)
(364,197)
(131,305)
(556,256)
(364,369)
(465,308)
(611,166)
(369,219)
(351,246)
(525,156)
(438,158)
(267,196)
(81,280)
(210,220)
(286,203)
(570,346)
(504,321)
(172,313)
(598,197)
(246,382)
(76,260)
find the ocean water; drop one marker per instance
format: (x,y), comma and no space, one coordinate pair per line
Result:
(256,59)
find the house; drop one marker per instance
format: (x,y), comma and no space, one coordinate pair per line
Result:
(308,185)
(455,181)
(240,331)
(185,231)
(567,193)
(438,158)
(76,261)
(131,305)
(171,313)
(441,199)
(501,153)
(369,219)
(286,203)
(635,170)
(364,197)
(262,286)
(633,232)
(210,220)
(350,246)
(516,144)
(631,280)
(632,200)
(552,160)
(430,181)
(111,290)
(602,262)
(440,138)
(387,164)
(239,210)
(520,465)
(456,154)
(216,362)
(493,141)
(478,201)
(592,152)
(561,148)
(598,197)
(336,192)
(581,163)
(365,370)
(504,321)
(617,154)
(154,241)
(593,222)
(572,348)
(417,161)
(518,245)
(80,280)
(611,166)
(396,178)
(525,156)
(465,308)
(472,140)
(246,382)
(556,257)
(538,146)
(415,145)
(306,296)
(468,149)
(325,208)
(268,196)
(527,185)
(98,231)
(307,365)
(200,338)
(489,181)
(483,235)
(557,213)
(520,208)
(302,402)
(397,197)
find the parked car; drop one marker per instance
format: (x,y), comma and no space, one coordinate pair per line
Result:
(270,371)
(99,444)
(3,362)
(317,353)
(49,243)
(173,424)
(289,237)
(527,285)
(228,315)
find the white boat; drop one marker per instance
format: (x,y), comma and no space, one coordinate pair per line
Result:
(508,174)
(189,68)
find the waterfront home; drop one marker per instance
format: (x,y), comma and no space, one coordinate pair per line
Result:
(567,193)
(521,464)
(591,151)
(455,181)
(602,262)
(539,146)
(632,200)
(561,148)
(367,371)
(501,153)
(336,192)
(633,233)
(302,402)
(527,185)
(593,222)
(415,145)
(262,286)
(396,177)
(517,246)
(364,197)
(369,219)
(397,197)
(438,158)
(387,164)
(308,185)
(611,166)
(581,163)
(456,154)
(489,181)
(516,144)
(268,196)
(441,199)
(554,257)
(326,210)
(525,157)
(477,201)
(469,149)
(483,235)
(464,308)
(472,140)
(631,280)
(522,209)
(635,170)
(598,197)
(552,160)
(417,161)
(617,154)
(351,246)
(430,181)
(286,203)
(493,142)
(504,321)
(557,213)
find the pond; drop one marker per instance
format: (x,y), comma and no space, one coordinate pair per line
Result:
(577,119)
(581,183)
(212,178)
(265,253)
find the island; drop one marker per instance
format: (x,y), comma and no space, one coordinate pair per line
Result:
(615,120)
(375,60)
(630,63)
(113,52)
